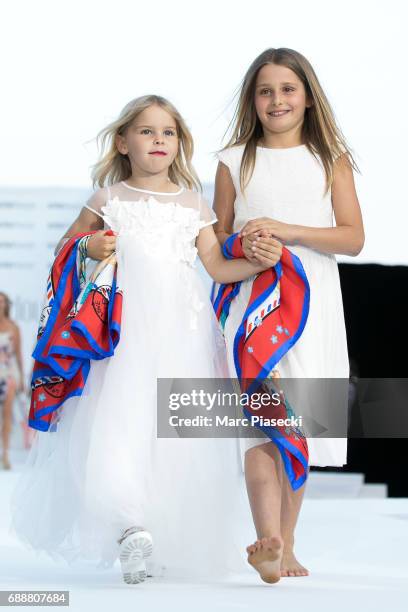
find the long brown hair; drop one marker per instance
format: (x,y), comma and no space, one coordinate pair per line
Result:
(320,133)
(114,166)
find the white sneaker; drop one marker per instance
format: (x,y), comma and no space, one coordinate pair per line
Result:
(135,545)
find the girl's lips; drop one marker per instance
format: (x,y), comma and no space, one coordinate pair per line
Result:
(281,113)
(157,153)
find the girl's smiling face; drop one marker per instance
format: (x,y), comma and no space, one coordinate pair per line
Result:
(280,99)
(150,141)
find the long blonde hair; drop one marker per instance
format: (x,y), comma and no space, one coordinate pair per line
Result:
(114,166)
(320,132)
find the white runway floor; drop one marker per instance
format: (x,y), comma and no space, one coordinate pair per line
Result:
(355,549)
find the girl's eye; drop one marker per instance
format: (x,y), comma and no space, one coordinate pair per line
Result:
(167,132)
(267,91)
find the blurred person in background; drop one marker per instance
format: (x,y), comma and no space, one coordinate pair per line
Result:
(11,372)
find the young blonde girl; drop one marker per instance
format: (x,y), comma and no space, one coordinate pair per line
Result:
(284,171)
(104,483)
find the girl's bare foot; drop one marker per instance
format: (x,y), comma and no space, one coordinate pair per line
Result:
(265,556)
(290,566)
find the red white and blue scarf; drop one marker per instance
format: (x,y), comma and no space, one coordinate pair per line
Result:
(80,321)
(273,321)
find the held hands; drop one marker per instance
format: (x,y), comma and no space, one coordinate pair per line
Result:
(101,245)
(261,249)
(286,233)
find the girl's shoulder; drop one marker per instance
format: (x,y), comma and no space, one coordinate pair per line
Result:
(101,195)
(229,153)
(97,199)
(9,326)
(231,156)
(192,198)
(195,199)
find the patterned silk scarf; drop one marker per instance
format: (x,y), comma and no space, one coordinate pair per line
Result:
(272,323)
(80,321)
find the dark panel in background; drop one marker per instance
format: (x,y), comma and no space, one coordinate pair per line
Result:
(375,299)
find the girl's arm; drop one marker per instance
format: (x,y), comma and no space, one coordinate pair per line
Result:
(224,270)
(348,235)
(224,198)
(86,221)
(99,245)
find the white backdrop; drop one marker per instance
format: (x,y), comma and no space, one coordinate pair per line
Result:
(69,68)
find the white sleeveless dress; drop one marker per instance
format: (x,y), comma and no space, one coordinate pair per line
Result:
(105,469)
(288,185)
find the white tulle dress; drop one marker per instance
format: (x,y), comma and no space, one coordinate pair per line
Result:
(105,469)
(288,185)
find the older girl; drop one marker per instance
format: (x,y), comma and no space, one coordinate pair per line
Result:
(280,178)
